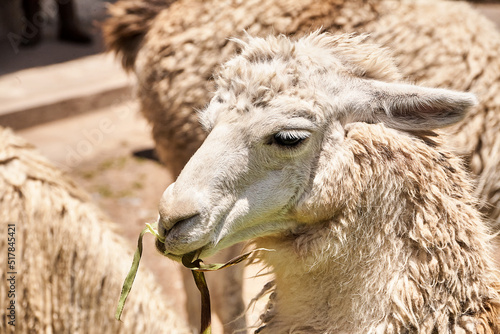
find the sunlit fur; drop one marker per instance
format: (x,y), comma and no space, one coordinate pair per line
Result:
(406,253)
(374,225)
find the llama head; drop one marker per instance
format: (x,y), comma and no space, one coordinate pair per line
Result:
(277,121)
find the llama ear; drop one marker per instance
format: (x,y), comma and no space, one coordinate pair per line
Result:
(414,108)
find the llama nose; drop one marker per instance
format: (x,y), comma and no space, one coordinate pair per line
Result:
(176,207)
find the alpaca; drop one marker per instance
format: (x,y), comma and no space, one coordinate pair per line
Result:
(318,150)
(69,262)
(174,47)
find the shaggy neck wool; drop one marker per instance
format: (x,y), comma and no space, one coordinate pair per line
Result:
(406,258)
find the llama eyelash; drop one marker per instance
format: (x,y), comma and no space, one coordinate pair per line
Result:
(289,138)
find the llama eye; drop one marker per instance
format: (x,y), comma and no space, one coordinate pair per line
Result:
(289,138)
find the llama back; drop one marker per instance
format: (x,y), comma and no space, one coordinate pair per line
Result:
(129,22)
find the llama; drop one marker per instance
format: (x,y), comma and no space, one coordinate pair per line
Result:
(318,150)
(174,46)
(70,262)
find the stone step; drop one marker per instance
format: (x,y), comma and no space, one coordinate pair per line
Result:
(43,94)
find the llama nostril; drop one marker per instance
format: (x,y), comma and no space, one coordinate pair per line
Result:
(168,223)
(177,206)
(185,220)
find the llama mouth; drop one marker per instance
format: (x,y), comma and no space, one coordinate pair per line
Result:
(160,246)
(185,236)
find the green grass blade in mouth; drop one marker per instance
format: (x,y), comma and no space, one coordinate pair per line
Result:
(206,313)
(153,231)
(198,268)
(129,280)
(191,261)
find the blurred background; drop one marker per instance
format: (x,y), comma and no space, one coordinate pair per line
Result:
(75,103)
